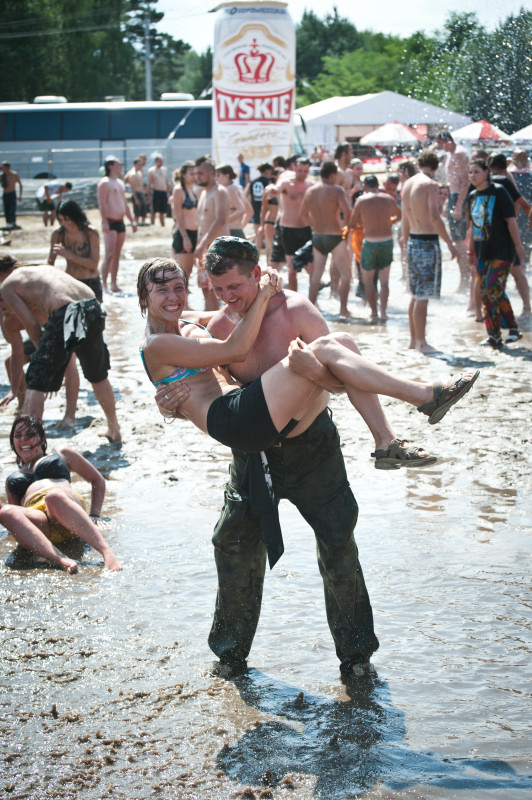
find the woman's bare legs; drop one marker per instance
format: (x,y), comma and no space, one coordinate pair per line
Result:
(64,507)
(28,526)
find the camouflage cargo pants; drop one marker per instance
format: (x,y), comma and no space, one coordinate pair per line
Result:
(309,471)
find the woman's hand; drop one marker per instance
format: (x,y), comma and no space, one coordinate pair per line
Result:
(270,283)
(170,397)
(59,250)
(302,360)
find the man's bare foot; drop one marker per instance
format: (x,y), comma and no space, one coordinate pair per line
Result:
(345,313)
(68,564)
(67,422)
(426,349)
(111,562)
(112,435)
(105,289)
(116,288)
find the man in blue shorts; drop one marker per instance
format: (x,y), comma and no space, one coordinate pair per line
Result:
(422,227)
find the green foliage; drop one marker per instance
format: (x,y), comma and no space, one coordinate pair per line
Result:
(197,73)
(317,39)
(84,50)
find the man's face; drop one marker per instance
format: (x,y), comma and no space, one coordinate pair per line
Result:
(204,176)
(158,162)
(302,171)
(236,290)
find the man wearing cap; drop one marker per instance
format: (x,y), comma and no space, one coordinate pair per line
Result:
(307,468)
(113,207)
(375,212)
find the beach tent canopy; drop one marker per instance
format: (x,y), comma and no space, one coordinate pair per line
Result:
(331,121)
(481,131)
(393,133)
(524,135)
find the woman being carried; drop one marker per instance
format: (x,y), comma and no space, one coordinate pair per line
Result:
(254,417)
(43,510)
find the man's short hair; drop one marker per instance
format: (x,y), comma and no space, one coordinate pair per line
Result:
(428,158)
(497,160)
(393,179)
(227,252)
(327,169)
(68,185)
(264,167)
(444,136)
(6,164)
(206,162)
(371,181)
(303,160)
(7,263)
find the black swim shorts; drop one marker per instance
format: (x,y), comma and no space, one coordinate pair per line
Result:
(177,241)
(116,225)
(294,238)
(241,419)
(48,364)
(160,201)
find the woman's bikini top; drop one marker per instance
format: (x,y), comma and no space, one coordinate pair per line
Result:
(180,373)
(53,467)
(188,202)
(83,249)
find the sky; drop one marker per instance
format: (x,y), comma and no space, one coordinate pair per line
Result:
(189,19)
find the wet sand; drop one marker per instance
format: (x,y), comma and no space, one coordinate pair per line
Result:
(105,689)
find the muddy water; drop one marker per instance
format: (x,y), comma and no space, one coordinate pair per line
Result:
(105,690)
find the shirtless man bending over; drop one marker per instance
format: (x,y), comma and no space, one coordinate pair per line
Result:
(213,214)
(422,225)
(375,212)
(322,205)
(113,208)
(54,308)
(294,232)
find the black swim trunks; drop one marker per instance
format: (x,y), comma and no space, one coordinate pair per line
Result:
(326,242)
(74,328)
(177,241)
(116,225)
(96,285)
(140,206)
(240,419)
(294,238)
(160,201)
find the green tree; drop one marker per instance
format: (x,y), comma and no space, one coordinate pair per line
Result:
(317,39)
(197,73)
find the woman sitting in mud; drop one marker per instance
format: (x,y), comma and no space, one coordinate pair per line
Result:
(257,416)
(43,510)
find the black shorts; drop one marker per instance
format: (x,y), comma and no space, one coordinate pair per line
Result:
(116,225)
(140,206)
(240,419)
(160,201)
(238,232)
(177,241)
(28,348)
(294,238)
(48,364)
(96,285)
(277,256)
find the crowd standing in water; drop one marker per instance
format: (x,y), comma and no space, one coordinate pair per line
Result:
(266,353)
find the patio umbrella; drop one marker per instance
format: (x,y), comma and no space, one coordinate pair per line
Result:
(393,133)
(524,135)
(480,131)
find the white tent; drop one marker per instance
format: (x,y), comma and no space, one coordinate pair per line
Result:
(331,121)
(524,135)
(392,133)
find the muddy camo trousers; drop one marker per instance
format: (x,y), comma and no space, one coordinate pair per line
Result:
(309,471)
(498,312)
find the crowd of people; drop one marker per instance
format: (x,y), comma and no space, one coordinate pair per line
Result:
(255,367)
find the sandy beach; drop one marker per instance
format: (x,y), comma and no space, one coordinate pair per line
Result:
(105,688)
